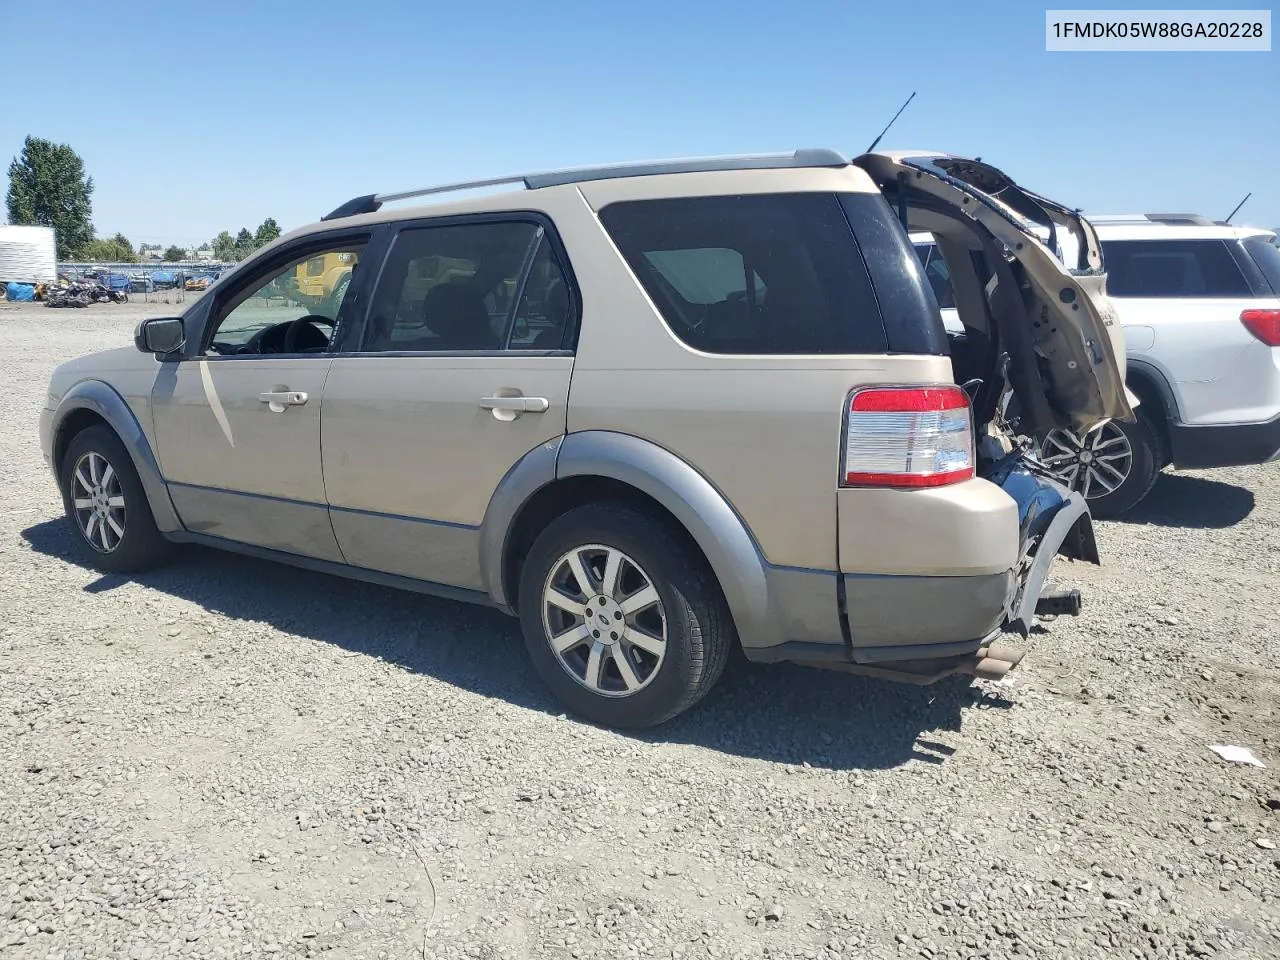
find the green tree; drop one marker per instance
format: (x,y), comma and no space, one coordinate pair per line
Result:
(114,250)
(243,246)
(223,246)
(121,241)
(48,187)
(267,231)
(175,253)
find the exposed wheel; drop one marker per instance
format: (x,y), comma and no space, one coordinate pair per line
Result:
(624,625)
(107,506)
(1114,466)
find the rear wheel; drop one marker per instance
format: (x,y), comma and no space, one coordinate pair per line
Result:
(1114,466)
(105,503)
(624,625)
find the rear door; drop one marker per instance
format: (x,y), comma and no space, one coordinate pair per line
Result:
(463,368)
(1074,344)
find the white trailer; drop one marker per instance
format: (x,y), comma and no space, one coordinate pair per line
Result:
(27,255)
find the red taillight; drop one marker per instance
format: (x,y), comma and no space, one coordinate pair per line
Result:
(908,437)
(1263,324)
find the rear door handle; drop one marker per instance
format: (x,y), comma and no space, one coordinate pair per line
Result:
(277,400)
(515,404)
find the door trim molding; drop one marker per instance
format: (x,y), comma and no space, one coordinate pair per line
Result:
(325,506)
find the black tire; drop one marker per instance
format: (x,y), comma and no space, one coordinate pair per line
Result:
(141,546)
(699,629)
(1148,458)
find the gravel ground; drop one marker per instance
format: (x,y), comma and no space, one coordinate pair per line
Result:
(231,758)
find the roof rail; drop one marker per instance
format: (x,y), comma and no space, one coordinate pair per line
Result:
(813,157)
(1193,218)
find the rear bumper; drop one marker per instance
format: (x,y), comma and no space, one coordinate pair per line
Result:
(1199,446)
(894,619)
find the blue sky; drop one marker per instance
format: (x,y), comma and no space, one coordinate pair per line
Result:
(193,120)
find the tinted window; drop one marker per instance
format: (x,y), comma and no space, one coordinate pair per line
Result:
(937,273)
(768,273)
(1172,268)
(1267,256)
(542,320)
(450,287)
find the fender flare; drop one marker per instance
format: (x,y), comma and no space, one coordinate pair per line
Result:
(102,399)
(696,504)
(1147,372)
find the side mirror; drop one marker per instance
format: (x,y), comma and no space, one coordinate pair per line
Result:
(161,336)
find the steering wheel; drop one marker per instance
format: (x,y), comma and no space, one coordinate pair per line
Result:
(294,330)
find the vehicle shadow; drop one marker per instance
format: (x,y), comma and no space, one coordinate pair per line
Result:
(1180,500)
(781,713)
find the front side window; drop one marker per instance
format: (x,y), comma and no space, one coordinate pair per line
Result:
(293,309)
(755,274)
(450,287)
(1172,268)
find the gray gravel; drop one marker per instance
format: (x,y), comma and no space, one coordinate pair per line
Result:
(228,758)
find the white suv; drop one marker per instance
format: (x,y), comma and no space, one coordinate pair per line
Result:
(1199,302)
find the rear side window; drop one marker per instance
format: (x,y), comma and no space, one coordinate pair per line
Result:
(756,274)
(451,287)
(1267,256)
(1172,268)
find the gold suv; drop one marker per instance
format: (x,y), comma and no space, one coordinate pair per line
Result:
(653,410)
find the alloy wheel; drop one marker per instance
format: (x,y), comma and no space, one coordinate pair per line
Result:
(98,500)
(604,620)
(1097,463)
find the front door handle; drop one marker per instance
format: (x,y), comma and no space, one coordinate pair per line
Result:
(515,404)
(277,400)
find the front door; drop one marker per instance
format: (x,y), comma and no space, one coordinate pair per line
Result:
(463,370)
(237,421)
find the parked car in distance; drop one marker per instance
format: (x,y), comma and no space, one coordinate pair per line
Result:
(652,410)
(141,282)
(1200,305)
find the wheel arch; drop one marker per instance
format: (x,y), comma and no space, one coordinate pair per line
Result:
(93,402)
(603,465)
(1152,388)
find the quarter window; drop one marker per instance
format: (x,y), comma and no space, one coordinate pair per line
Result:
(756,274)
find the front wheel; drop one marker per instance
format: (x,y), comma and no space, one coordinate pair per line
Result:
(105,503)
(622,619)
(1114,466)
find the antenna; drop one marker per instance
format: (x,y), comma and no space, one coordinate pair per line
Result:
(877,140)
(1238,206)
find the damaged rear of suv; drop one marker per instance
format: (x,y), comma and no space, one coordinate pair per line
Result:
(653,410)
(810,380)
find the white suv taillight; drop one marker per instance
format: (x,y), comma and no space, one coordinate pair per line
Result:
(1263,324)
(908,437)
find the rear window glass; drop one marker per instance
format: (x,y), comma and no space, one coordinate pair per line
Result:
(1267,256)
(1172,268)
(756,274)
